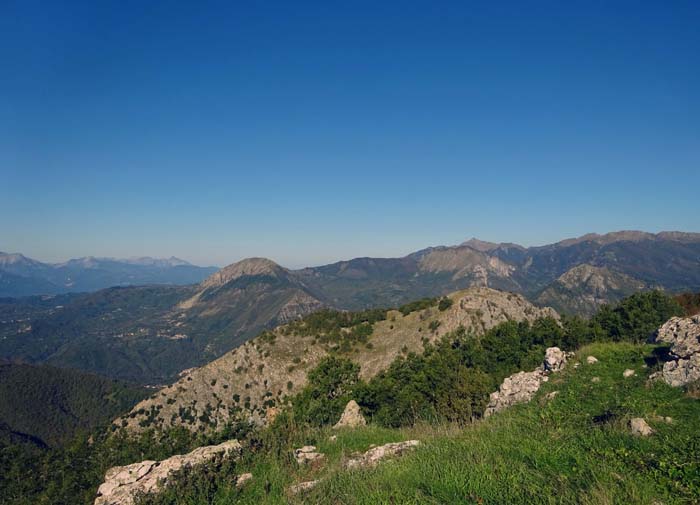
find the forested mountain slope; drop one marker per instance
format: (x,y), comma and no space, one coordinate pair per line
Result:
(47,406)
(149,334)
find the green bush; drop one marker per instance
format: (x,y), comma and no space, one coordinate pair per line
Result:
(422,304)
(330,386)
(636,317)
(444,304)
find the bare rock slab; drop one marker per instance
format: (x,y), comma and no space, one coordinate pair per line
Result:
(122,483)
(373,456)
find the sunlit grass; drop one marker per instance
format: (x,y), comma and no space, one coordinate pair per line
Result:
(573,448)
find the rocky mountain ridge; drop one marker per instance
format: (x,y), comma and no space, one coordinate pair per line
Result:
(585,288)
(630,260)
(260,374)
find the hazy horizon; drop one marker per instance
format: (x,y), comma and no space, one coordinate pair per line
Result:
(323,261)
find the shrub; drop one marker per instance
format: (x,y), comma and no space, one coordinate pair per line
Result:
(330,386)
(445,303)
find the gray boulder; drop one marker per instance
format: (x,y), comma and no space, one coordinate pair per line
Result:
(554,359)
(683,333)
(352,417)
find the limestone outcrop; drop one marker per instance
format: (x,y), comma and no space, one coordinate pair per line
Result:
(683,333)
(352,417)
(373,456)
(123,483)
(522,386)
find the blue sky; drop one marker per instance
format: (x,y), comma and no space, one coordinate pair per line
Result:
(309,132)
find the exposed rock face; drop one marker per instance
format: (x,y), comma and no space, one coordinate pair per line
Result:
(246,267)
(522,386)
(352,417)
(639,427)
(480,309)
(628,373)
(683,333)
(122,483)
(591,360)
(466,262)
(585,288)
(373,456)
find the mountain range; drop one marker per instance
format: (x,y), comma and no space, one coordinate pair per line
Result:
(150,333)
(23,276)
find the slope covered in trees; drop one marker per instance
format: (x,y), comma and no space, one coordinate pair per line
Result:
(48,406)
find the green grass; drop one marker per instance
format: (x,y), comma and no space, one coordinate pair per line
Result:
(574,448)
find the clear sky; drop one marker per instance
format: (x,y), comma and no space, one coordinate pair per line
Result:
(309,132)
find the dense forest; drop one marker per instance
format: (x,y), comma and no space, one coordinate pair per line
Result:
(48,406)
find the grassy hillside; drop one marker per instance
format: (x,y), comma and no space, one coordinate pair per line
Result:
(48,406)
(574,448)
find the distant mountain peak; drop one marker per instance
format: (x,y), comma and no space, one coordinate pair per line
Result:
(16,259)
(480,245)
(243,268)
(172,261)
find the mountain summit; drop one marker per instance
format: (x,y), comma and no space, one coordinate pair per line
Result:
(246,267)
